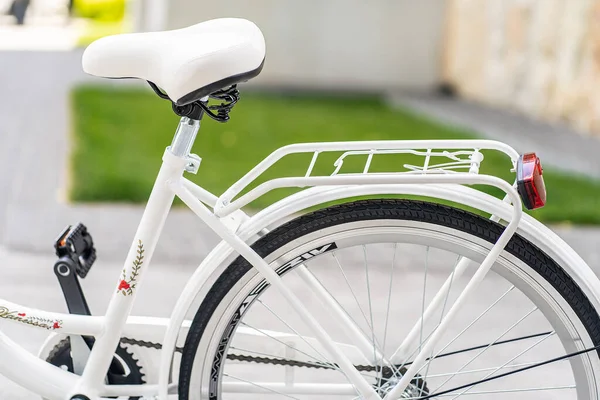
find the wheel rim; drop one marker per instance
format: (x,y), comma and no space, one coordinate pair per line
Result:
(433,240)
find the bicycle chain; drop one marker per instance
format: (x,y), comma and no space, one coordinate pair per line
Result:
(148,345)
(256,359)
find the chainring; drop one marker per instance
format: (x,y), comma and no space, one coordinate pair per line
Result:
(124,370)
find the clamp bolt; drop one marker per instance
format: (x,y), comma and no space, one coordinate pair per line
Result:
(193,163)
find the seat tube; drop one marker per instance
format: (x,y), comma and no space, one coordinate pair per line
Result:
(174,164)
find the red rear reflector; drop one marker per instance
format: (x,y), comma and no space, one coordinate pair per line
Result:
(530,183)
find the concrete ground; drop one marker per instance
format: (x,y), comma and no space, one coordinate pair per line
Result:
(556,144)
(28,279)
(58,36)
(34,148)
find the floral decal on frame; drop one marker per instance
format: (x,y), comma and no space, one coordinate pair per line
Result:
(128,283)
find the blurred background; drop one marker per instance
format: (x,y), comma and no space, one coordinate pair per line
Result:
(76,148)
(520,71)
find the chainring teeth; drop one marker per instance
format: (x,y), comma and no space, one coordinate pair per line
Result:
(60,356)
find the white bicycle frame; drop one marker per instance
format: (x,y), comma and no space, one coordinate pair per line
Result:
(238,231)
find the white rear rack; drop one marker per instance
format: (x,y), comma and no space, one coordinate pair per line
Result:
(447,161)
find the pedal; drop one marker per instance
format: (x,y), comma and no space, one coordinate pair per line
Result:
(76,255)
(76,244)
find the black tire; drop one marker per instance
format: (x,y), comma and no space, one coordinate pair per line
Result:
(431,213)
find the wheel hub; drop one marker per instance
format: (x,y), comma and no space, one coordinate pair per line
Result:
(390,377)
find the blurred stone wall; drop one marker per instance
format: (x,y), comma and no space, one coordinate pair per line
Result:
(539,57)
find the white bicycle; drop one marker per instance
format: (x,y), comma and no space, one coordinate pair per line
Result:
(383,297)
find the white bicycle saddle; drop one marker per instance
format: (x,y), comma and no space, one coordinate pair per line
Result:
(188,63)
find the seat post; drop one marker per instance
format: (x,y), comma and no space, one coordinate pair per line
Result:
(184,138)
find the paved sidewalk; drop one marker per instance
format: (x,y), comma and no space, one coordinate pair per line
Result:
(557,144)
(33,137)
(28,279)
(34,150)
(39,37)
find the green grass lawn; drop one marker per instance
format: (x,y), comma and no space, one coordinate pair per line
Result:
(121,133)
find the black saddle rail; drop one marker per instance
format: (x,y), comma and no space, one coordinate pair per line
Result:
(219,112)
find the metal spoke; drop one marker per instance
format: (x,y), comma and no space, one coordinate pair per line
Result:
(442,314)
(260,386)
(406,362)
(351,291)
(474,371)
(505,374)
(504,391)
(509,361)
(296,332)
(451,353)
(375,342)
(455,338)
(423,299)
(449,289)
(356,335)
(487,347)
(293,348)
(389,301)
(372,325)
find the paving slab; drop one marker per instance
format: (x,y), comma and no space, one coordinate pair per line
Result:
(28,279)
(39,37)
(34,126)
(34,151)
(556,143)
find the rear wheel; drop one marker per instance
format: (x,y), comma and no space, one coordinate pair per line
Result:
(383,261)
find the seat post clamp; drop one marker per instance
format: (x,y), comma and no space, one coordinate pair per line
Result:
(192,163)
